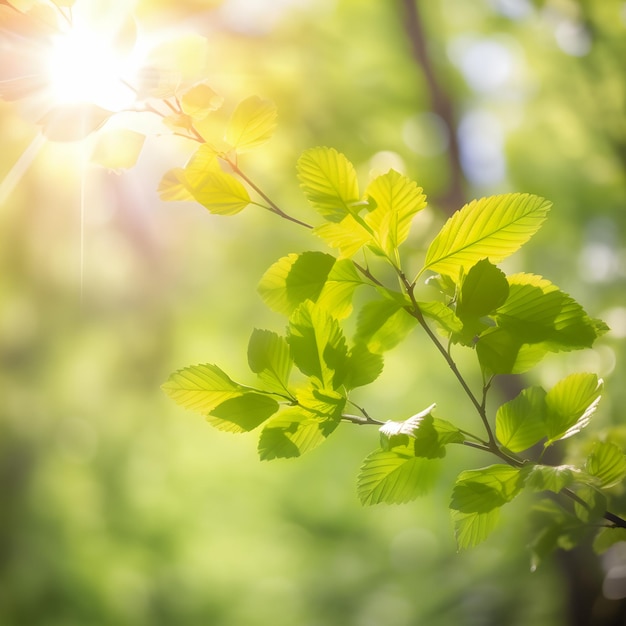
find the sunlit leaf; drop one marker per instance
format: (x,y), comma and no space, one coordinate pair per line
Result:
(243,413)
(481,490)
(607,463)
(470,529)
(269,357)
(382,324)
(549,478)
(348,235)
(252,123)
(200,100)
(329,182)
(537,311)
(443,315)
(294,279)
(173,188)
(491,228)
(571,404)
(71,122)
(520,423)
(397,200)
(502,352)
(118,149)
(201,388)
(317,345)
(395,476)
(337,292)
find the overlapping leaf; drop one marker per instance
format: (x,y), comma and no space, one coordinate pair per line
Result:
(382,324)
(607,463)
(270,358)
(243,413)
(520,423)
(491,228)
(252,123)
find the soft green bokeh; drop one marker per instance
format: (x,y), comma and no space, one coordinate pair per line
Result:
(120,508)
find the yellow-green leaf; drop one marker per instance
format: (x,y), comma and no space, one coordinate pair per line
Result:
(200,100)
(252,123)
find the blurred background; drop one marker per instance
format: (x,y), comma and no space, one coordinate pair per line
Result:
(120,508)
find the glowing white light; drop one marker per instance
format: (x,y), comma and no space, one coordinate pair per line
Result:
(84,67)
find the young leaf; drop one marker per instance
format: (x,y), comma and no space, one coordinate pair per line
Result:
(382,324)
(470,529)
(252,123)
(502,352)
(397,200)
(491,228)
(362,367)
(201,388)
(269,357)
(295,278)
(484,289)
(395,476)
(337,292)
(317,345)
(348,235)
(443,315)
(217,191)
(570,405)
(300,429)
(549,478)
(536,311)
(173,187)
(520,422)
(199,101)
(481,490)
(243,413)
(607,463)
(329,182)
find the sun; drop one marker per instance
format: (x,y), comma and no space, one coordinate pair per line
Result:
(85,65)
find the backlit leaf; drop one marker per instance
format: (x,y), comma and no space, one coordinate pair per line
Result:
(491,228)
(252,123)
(549,478)
(295,278)
(570,405)
(269,357)
(173,187)
(362,367)
(348,235)
(395,476)
(607,463)
(317,345)
(397,200)
(200,100)
(502,352)
(484,289)
(470,529)
(201,388)
(337,292)
(443,315)
(382,324)
(243,413)
(481,490)
(329,182)
(520,423)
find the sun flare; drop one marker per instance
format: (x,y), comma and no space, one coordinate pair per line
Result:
(84,66)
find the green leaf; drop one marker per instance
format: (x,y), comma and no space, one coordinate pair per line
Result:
(481,490)
(252,123)
(338,290)
(300,429)
(484,289)
(317,345)
(592,506)
(243,413)
(295,278)
(362,367)
(571,404)
(537,311)
(470,529)
(395,476)
(382,324)
(329,182)
(269,357)
(549,478)
(397,200)
(201,388)
(608,537)
(491,228)
(502,352)
(520,423)
(607,463)
(348,235)
(443,315)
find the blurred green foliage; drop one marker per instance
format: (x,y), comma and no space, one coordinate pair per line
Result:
(118,508)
